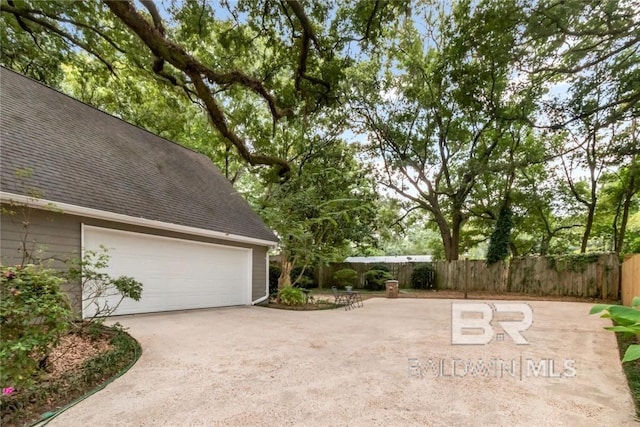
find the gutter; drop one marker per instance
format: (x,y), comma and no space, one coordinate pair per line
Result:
(259,300)
(266,290)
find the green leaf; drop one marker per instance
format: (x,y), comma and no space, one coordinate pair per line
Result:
(634,329)
(599,307)
(632,353)
(624,316)
(636,302)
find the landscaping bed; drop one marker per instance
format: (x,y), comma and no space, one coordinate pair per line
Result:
(81,363)
(632,368)
(309,306)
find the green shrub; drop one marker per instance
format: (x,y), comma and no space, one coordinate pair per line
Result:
(346,277)
(423,277)
(290,295)
(626,319)
(381,267)
(374,280)
(307,280)
(274,275)
(499,242)
(95,284)
(27,406)
(34,313)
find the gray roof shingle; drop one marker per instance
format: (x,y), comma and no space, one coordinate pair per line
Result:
(82,156)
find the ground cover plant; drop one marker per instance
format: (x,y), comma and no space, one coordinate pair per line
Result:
(48,356)
(627,328)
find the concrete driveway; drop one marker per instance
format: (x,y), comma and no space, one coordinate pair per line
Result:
(390,363)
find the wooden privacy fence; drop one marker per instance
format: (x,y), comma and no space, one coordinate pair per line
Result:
(400,271)
(588,276)
(630,283)
(474,275)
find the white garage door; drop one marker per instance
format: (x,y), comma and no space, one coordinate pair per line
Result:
(176,274)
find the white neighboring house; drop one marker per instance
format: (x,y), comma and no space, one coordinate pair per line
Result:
(393,259)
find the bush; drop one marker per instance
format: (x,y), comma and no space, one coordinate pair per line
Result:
(626,319)
(96,285)
(307,280)
(381,267)
(34,313)
(291,296)
(27,406)
(346,277)
(274,275)
(423,277)
(374,279)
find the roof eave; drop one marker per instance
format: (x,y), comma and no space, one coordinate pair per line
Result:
(11,198)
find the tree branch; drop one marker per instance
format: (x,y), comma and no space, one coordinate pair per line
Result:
(219,121)
(55,30)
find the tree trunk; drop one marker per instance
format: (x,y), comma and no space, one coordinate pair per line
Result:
(454,248)
(456,226)
(631,188)
(286,266)
(544,244)
(589,225)
(450,239)
(514,249)
(623,223)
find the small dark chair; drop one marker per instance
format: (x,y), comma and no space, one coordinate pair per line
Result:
(338,297)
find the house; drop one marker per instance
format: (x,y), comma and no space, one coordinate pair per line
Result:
(165,213)
(391,259)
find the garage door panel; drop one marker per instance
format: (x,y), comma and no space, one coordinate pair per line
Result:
(176,274)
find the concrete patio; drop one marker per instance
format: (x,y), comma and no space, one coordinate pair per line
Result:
(390,363)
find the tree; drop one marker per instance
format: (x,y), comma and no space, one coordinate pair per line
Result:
(589,48)
(617,202)
(281,58)
(327,205)
(546,215)
(583,44)
(499,243)
(440,116)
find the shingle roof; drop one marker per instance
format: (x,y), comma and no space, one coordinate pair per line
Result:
(82,156)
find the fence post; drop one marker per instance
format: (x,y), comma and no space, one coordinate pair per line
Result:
(466,277)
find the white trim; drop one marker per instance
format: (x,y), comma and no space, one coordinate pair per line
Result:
(82,278)
(126,219)
(266,273)
(250,276)
(168,238)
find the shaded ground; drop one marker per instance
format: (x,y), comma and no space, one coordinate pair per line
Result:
(368,366)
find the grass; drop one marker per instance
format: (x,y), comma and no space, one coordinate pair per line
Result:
(47,397)
(631,369)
